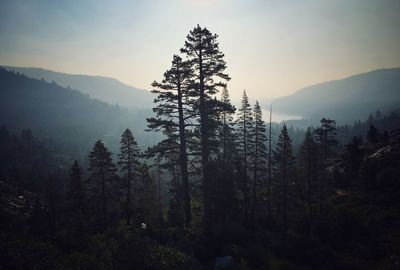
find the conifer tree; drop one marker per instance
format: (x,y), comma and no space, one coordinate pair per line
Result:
(74,199)
(102,171)
(128,163)
(269,183)
(173,114)
(259,156)
(224,159)
(166,155)
(244,125)
(226,129)
(202,49)
(148,198)
(285,161)
(308,163)
(325,137)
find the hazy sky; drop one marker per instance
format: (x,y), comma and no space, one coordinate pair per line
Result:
(272,48)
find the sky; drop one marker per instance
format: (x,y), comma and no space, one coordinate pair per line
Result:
(272,48)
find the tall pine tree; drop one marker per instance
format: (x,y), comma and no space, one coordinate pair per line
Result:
(128,164)
(285,162)
(308,164)
(259,157)
(202,49)
(226,129)
(325,137)
(102,171)
(148,196)
(269,181)
(223,162)
(173,114)
(244,125)
(74,199)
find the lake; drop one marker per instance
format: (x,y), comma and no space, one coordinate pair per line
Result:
(278,117)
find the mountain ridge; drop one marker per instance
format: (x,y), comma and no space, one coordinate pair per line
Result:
(66,115)
(106,89)
(346,100)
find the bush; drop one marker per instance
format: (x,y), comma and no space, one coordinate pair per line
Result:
(168,258)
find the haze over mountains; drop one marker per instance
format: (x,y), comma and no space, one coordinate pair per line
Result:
(66,116)
(105,89)
(346,100)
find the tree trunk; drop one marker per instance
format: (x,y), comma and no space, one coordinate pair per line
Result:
(103,198)
(309,186)
(322,180)
(254,204)
(204,150)
(246,210)
(183,161)
(285,192)
(269,167)
(128,195)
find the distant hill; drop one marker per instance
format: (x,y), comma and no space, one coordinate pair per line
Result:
(66,116)
(103,88)
(345,100)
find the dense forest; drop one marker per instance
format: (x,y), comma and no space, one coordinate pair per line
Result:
(65,118)
(212,186)
(103,88)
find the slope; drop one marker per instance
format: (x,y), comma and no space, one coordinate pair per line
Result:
(103,88)
(345,100)
(64,115)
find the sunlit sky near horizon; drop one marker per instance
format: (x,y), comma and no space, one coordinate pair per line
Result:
(272,48)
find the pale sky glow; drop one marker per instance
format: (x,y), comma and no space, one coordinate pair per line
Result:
(272,48)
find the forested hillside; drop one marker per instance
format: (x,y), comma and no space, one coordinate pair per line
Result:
(346,100)
(64,116)
(105,89)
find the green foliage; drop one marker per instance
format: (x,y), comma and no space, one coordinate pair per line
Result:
(167,258)
(174,115)
(285,166)
(245,144)
(25,253)
(308,173)
(207,61)
(24,160)
(65,118)
(129,164)
(102,171)
(75,198)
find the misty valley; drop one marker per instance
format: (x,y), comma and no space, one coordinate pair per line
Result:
(96,174)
